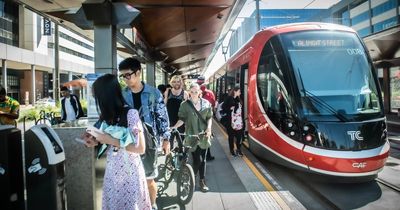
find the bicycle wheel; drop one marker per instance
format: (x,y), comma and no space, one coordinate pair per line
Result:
(169,168)
(185,184)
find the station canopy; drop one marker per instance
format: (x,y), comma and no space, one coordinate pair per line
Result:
(182,32)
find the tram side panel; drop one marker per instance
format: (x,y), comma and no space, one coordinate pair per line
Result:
(264,138)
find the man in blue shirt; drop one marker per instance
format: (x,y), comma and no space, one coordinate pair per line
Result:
(149,101)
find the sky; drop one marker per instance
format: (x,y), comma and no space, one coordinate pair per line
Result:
(248,9)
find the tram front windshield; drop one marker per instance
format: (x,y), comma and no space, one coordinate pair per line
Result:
(333,74)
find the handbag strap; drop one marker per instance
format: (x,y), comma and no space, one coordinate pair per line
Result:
(197,112)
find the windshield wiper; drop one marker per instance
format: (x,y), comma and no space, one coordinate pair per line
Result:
(325,105)
(321,102)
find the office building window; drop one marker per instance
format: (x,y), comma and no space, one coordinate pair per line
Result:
(9,23)
(385,24)
(12,81)
(72,52)
(71,39)
(345,19)
(383,7)
(364,32)
(360,18)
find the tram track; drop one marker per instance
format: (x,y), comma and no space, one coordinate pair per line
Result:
(318,190)
(327,203)
(325,193)
(318,194)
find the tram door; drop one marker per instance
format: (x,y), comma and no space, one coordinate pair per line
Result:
(244,90)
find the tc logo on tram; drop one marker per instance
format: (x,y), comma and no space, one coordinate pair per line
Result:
(355,135)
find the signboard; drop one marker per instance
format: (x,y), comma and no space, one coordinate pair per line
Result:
(303,43)
(46,27)
(91,103)
(193,76)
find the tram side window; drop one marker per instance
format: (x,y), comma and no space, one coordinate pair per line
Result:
(230,80)
(262,80)
(271,88)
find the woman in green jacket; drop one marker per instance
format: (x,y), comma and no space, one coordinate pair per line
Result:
(196,122)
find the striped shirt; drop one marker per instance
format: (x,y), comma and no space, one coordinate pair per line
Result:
(10,105)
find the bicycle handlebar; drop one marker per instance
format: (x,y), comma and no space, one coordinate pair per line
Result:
(175,130)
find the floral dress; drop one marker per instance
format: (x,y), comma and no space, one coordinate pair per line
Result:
(125,185)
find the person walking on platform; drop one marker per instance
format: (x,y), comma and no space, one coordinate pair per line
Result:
(71,108)
(210,97)
(153,112)
(173,98)
(232,121)
(9,108)
(125,184)
(196,114)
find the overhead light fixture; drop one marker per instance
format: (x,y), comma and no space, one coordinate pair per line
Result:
(219,16)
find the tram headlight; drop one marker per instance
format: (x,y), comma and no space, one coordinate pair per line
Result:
(309,138)
(309,133)
(291,128)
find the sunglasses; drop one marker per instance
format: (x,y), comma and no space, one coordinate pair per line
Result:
(126,76)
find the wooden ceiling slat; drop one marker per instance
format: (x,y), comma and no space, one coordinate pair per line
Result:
(162,24)
(185,30)
(200,53)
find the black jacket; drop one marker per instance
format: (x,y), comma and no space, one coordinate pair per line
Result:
(76,104)
(226,108)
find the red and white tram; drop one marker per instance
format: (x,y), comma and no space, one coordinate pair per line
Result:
(311,99)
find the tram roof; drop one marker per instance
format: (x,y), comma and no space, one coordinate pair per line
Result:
(186,31)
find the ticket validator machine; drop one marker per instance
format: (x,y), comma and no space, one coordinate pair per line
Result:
(11,169)
(44,169)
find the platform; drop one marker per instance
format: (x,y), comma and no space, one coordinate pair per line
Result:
(234,182)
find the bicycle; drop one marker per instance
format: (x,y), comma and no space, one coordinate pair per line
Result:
(176,164)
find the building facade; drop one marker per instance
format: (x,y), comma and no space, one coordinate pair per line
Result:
(27,55)
(271,17)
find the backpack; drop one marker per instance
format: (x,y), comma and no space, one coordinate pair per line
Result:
(149,158)
(236,119)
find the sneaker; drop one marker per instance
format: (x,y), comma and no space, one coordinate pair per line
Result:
(203,186)
(240,153)
(210,158)
(233,154)
(154,207)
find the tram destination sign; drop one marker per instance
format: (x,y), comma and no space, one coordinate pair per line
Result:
(318,43)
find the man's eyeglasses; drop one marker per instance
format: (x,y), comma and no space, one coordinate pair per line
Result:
(126,76)
(194,92)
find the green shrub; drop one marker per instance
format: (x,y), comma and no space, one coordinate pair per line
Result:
(34,113)
(29,114)
(84,106)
